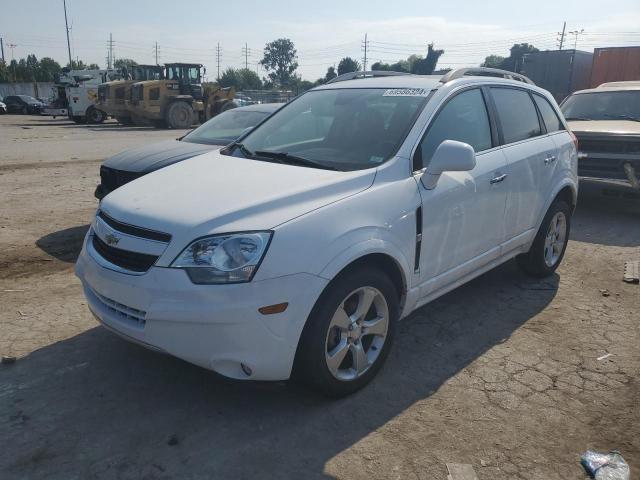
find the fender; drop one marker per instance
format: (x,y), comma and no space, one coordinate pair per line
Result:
(562,184)
(361,249)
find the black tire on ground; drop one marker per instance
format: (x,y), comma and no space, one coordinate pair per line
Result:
(95,115)
(533,262)
(311,365)
(78,119)
(124,120)
(179,115)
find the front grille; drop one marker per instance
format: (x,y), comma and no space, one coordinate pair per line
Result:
(133,261)
(130,315)
(133,230)
(606,146)
(119,94)
(110,178)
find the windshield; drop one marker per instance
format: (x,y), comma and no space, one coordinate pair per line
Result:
(343,129)
(603,106)
(225,128)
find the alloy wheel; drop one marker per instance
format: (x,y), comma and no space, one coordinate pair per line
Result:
(555,239)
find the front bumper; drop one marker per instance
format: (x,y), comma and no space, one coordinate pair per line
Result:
(217,327)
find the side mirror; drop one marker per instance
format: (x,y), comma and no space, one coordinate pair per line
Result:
(450,156)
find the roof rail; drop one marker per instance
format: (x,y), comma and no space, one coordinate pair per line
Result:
(369,74)
(484,72)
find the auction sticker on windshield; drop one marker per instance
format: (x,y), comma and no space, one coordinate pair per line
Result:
(406,92)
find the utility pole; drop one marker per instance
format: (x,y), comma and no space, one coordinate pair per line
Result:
(576,33)
(12,46)
(562,35)
(2,48)
(218,59)
(111,59)
(246,50)
(364,63)
(156,51)
(66,23)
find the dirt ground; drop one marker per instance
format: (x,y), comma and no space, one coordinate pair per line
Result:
(502,373)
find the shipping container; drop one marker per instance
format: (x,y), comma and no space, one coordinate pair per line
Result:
(615,64)
(562,72)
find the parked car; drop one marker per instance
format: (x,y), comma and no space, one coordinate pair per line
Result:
(24,104)
(606,121)
(215,133)
(295,249)
(3,107)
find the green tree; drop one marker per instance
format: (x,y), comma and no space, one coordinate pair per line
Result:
(48,69)
(427,65)
(330,75)
(280,61)
(125,62)
(492,61)
(348,64)
(240,79)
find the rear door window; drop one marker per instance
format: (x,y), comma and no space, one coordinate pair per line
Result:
(517,114)
(464,118)
(549,115)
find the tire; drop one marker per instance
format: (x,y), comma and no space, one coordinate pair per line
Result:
(77,119)
(179,115)
(322,335)
(548,247)
(95,115)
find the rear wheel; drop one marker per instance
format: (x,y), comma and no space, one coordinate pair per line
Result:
(95,115)
(547,250)
(349,333)
(179,115)
(77,119)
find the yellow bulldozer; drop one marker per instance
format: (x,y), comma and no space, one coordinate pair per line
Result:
(179,100)
(114,97)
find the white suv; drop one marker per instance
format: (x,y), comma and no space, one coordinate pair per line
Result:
(296,249)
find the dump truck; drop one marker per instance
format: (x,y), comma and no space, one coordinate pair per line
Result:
(179,100)
(114,97)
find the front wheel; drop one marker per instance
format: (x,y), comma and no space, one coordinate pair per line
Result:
(95,115)
(179,115)
(349,333)
(550,243)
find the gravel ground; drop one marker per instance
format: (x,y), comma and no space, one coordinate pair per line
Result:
(502,373)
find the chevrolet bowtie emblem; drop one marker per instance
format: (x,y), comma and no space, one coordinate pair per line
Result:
(111,239)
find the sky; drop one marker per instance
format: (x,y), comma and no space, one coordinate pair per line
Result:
(322,31)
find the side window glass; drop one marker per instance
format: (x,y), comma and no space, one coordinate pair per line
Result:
(464,118)
(549,115)
(517,114)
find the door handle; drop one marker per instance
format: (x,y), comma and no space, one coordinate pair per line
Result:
(550,159)
(498,179)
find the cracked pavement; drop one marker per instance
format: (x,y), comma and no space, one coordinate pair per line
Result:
(502,373)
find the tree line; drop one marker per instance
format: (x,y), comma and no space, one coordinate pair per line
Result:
(280,61)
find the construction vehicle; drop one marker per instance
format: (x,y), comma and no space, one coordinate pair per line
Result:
(114,97)
(179,100)
(77,91)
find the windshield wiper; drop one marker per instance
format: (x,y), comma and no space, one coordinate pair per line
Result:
(245,151)
(577,118)
(284,157)
(622,116)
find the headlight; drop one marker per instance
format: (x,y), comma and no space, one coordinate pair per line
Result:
(231,258)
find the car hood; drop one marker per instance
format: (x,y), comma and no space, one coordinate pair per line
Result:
(215,193)
(157,155)
(614,127)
